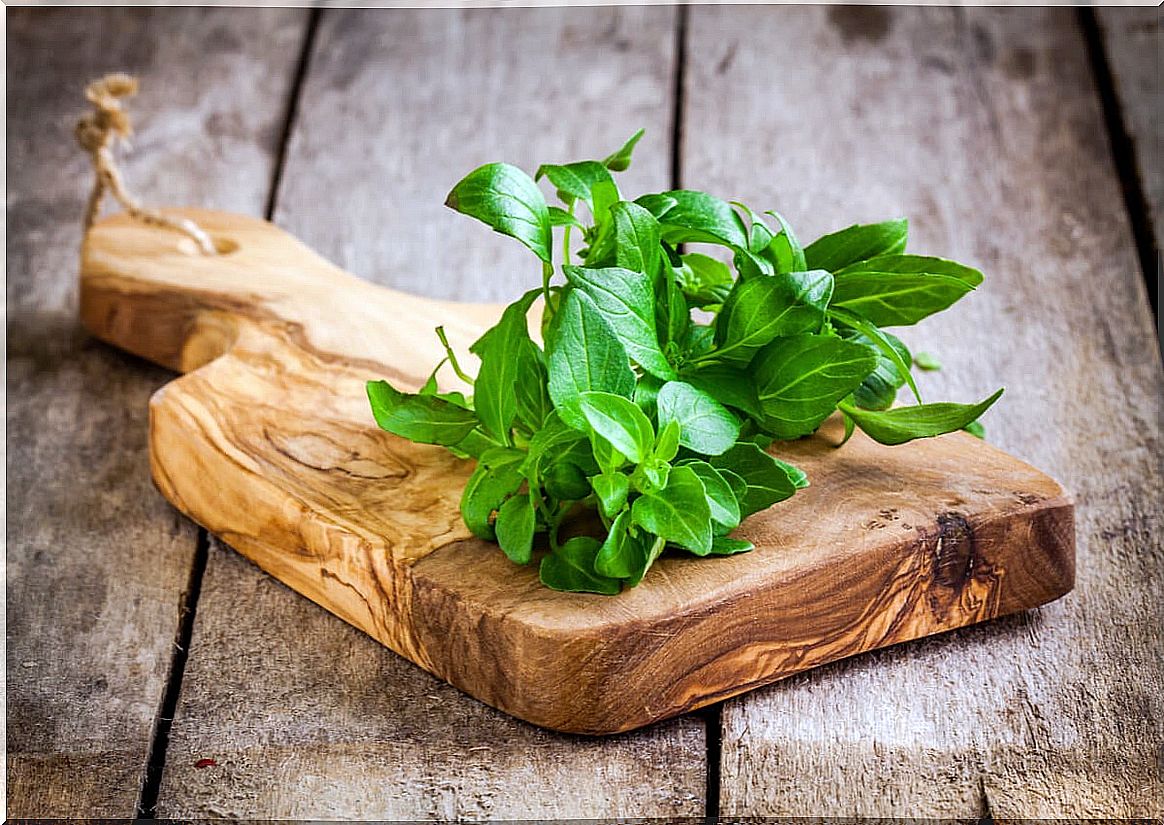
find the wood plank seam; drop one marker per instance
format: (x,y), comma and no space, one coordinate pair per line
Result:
(159,746)
(1127,161)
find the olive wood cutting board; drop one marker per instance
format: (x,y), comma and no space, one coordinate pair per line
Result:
(268,442)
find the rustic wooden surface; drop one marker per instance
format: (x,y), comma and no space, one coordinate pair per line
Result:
(97,566)
(1055,712)
(983,126)
(931,535)
(1134,41)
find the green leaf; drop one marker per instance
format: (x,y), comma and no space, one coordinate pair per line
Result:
(620,422)
(926,361)
(730,386)
(899,290)
(687,216)
(566,481)
(497,476)
(725,507)
(548,444)
(612,490)
(515,529)
(575,181)
(916,264)
(626,301)
(760,309)
(505,198)
(975,429)
(768,479)
(704,280)
(622,555)
(423,418)
(903,424)
(571,568)
(738,485)
(705,425)
(893,362)
(508,359)
(725,546)
(636,238)
(560,217)
(585,355)
(800,379)
(620,161)
(785,251)
(856,243)
(678,513)
(667,441)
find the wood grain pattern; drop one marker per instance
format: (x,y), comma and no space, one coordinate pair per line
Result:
(889,544)
(984,128)
(337,726)
(1134,41)
(96,564)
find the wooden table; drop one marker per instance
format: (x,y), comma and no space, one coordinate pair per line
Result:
(153,671)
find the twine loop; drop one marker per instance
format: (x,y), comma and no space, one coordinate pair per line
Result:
(97,132)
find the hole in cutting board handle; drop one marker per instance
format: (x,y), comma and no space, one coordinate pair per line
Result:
(224,246)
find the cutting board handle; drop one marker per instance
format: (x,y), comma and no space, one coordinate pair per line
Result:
(150,291)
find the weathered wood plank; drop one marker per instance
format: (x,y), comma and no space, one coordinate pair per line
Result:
(1134,41)
(983,126)
(96,561)
(316,719)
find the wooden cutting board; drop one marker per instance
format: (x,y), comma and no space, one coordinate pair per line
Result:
(268,442)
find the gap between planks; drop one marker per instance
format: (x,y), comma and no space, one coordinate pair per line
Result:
(1129,166)
(160,741)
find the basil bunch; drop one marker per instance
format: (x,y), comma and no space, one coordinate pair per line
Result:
(634,408)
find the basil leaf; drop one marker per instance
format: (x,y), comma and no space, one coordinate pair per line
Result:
(705,425)
(899,290)
(612,490)
(687,216)
(760,309)
(505,198)
(549,443)
(560,217)
(422,418)
(975,429)
(646,392)
(725,508)
(926,361)
(785,251)
(724,546)
(903,424)
(667,441)
(620,161)
(571,568)
(800,379)
(585,355)
(515,529)
(727,385)
(923,264)
(856,243)
(893,362)
(678,513)
(768,479)
(620,422)
(497,476)
(636,238)
(575,181)
(621,555)
(626,302)
(738,485)
(506,352)
(704,280)
(565,481)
